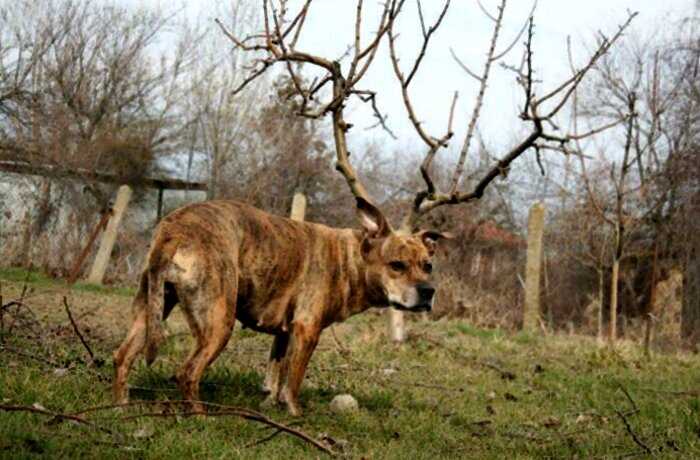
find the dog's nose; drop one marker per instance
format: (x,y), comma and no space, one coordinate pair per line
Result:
(425,292)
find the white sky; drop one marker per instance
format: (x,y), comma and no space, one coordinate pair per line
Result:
(329,30)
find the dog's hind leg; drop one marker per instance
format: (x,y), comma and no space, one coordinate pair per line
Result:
(213,330)
(133,344)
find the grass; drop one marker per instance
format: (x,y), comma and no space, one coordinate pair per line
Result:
(40,280)
(439,395)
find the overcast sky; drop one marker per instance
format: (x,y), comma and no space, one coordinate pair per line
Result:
(329,30)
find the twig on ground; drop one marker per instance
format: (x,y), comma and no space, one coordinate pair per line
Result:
(263,440)
(341,348)
(629,398)
(505,374)
(244,413)
(433,386)
(672,392)
(631,432)
(40,359)
(156,390)
(77,331)
(19,303)
(55,415)
(223,410)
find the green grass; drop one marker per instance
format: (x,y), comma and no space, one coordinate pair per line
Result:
(440,395)
(40,280)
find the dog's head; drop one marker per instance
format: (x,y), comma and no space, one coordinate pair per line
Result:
(398,266)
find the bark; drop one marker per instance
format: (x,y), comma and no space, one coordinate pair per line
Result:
(690,312)
(601,303)
(612,327)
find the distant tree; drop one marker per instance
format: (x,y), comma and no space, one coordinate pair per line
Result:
(95,94)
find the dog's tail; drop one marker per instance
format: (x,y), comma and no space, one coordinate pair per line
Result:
(155,293)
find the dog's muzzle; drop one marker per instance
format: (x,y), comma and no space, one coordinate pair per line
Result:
(425,297)
(425,293)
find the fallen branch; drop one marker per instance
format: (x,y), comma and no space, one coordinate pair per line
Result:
(77,331)
(631,432)
(693,393)
(505,374)
(629,398)
(54,415)
(263,440)
(224,410)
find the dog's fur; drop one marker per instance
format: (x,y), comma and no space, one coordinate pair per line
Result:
(224,260)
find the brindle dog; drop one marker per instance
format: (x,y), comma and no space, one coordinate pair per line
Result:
(224,260)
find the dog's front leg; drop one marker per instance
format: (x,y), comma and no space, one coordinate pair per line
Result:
(274,372)
(303,341)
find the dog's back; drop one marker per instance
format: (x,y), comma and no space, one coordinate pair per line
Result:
(268,262)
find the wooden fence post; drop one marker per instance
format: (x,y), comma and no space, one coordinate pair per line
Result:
(99,266)
(533,269)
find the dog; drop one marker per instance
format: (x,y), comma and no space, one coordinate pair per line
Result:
(223,261)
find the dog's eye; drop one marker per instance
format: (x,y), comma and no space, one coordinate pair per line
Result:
(398,266)
(428,267)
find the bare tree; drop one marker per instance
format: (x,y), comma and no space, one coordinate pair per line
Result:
(100,97)
(278,43)
(632,91)
(223,120)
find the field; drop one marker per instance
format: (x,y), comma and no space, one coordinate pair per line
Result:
(450,391)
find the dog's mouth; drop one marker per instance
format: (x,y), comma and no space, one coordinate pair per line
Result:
(421,307)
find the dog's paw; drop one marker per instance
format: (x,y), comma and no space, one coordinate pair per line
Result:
(270,402)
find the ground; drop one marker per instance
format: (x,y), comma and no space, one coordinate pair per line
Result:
(450,391)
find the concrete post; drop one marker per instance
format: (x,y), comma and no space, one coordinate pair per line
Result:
(298,207)
(99,266)
(533,269)
(397,325)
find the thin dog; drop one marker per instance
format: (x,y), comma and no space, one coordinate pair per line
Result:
(225,260)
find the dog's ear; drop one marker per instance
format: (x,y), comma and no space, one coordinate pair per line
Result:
(373,221)
(430,239)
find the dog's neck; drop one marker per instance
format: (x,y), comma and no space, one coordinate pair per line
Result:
(361,294)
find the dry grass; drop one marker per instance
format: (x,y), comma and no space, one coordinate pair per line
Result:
(452,390)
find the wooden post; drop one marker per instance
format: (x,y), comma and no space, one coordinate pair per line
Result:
(159,214)
(298,207)
(533,269)
(99,266)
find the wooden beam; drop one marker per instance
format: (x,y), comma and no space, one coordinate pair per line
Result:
(104,253)
(16,167)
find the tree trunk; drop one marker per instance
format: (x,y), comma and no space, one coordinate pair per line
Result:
(651,308)
(612,327)
(690,312)
(601,303)
(533,270)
